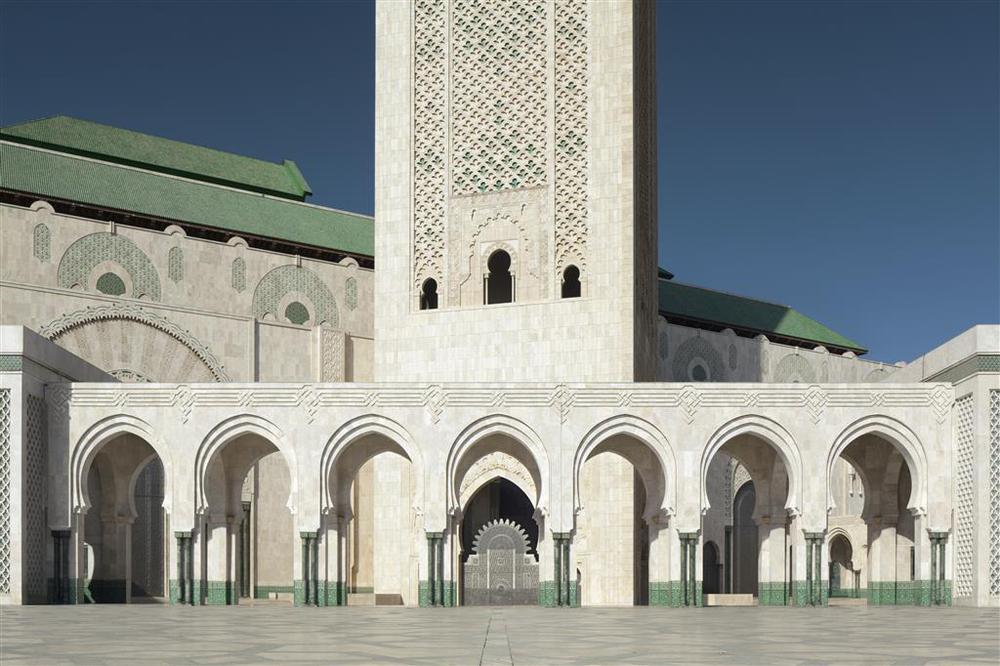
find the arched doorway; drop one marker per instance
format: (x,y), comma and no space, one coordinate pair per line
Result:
(124,545)
(495,475)
(711,568)
(247,535)
(499,540)
(375,529)
(749,485)
(745,541)
(843,576)
(889,566)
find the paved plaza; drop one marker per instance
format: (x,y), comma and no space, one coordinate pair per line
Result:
(271,634)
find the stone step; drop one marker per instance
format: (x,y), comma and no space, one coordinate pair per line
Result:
(730,600)
(360,599)
(848,601)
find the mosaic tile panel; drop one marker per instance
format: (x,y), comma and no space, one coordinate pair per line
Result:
(965,499)
(85,254)
(351,293)
(294,279)
(175,264)
(41,242)
(239,275)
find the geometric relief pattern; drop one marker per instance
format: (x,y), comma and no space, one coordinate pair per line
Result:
(499,79)
(239,278)
(697,349)
(175,264)
(571,123)
(41,242)
(35,468)
(429,112)
(965,502)
(85,253)
(5,490)
(994,472)
(351,293)
(794,369)
(294,279)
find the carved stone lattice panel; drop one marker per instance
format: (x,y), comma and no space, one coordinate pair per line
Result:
(965,497)
(499,75)
(5,490)
(571,132)
(501,571)
(994,508)
(429,113)
(35,489)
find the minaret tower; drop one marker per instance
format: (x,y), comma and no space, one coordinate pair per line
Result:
(515,202)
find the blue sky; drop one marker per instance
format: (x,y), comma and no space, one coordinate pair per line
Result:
(839,157)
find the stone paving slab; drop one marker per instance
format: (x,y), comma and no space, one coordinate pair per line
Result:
(273,634)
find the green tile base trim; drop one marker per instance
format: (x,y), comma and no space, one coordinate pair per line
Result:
(667,593)
(547,594)
(265,591)
(800,593)
(906,593)
(218,593)
(333,594)
(174,591)
(772,594)
(424,597)
(299,593)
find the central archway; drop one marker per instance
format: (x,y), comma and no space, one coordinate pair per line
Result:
(497,471)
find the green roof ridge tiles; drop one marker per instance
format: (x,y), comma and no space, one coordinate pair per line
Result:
(68,177)
(739,312)
(113,144)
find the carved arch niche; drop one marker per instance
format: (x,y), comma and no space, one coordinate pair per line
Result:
(135,345)
(515,229)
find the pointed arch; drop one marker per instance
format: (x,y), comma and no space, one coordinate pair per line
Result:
(99,434)
(771,432)
(644,432)
(228,430)
(352,431)
(906,443)
(498,424)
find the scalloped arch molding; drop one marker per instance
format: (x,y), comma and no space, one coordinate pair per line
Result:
(149,341)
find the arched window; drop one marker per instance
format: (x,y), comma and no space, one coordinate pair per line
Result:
(498,284)
(297,313)
(429,295)
(571,282)
(111,284)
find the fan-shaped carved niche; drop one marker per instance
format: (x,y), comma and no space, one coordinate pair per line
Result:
(501,535)
(135,346)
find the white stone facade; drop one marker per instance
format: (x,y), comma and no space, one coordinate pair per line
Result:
(323,436)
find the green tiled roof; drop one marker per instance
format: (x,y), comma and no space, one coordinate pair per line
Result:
(105,185)
(748,315)
(82,137)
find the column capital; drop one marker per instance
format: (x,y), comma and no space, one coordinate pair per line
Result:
(182,535)
(814,535)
